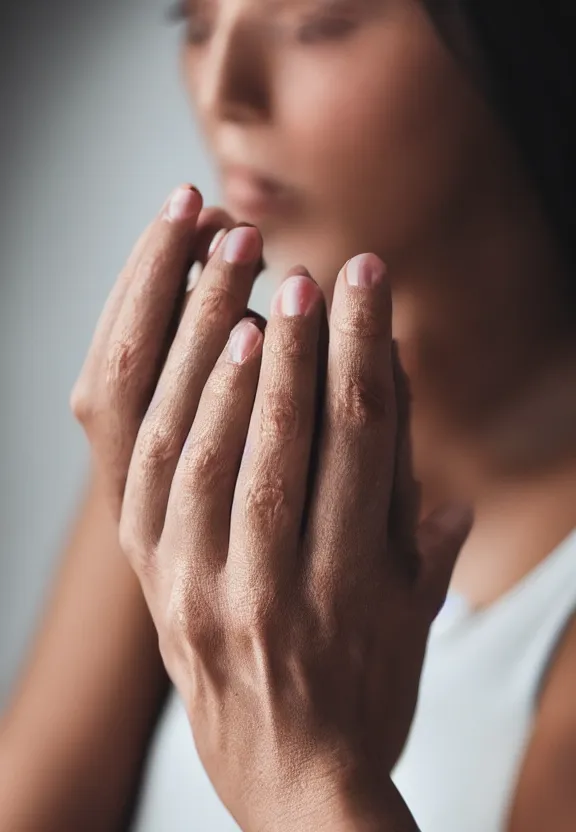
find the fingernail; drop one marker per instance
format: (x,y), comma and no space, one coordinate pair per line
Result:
(244,339)
(365,271)
(216,240)
(242,246)
(184,204)
(296,296)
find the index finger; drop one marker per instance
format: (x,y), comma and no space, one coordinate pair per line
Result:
(125,358)
(162,226)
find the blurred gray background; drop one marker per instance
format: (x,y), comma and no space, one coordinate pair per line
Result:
(95,130)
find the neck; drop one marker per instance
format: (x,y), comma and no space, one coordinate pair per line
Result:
(484,327)
(517,525)
(491,357)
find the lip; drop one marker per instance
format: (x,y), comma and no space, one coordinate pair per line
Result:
(252,194)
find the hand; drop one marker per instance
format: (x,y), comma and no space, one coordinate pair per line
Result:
(280,555)
(139,322)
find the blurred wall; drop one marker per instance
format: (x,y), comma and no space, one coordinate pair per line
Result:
(94,132)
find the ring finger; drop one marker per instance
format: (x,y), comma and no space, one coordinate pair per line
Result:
(358,443)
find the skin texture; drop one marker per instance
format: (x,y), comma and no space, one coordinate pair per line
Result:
(417,170)
(261,607)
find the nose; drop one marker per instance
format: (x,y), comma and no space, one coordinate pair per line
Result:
(235,82)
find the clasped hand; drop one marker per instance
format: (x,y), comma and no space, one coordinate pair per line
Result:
(262,484)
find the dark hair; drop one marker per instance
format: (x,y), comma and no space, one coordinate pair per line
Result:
(527,54)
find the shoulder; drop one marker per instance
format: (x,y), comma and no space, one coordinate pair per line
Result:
(546,792)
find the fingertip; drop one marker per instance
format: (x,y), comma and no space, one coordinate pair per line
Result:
(245,340)
(362,301)
(184,203)
(216,240)
(242,245)
(211,222)
(364,271)
(257,318)
(298,296)
(295,271)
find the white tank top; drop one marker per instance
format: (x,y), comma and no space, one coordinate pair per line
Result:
(474,719)
(478,700)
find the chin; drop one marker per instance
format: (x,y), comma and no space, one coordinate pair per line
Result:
(283,252)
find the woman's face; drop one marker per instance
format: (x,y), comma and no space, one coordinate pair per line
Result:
(341,126)
(336,125)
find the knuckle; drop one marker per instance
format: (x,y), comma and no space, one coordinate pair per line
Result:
(361,403)
(142,557)
(288,340)
(158,445)
(255,609)
(188,613)
(266,505)
(217,304)
(120,365)
(280,418)
(203,460)
(203,463)
(82,403)
(360,320)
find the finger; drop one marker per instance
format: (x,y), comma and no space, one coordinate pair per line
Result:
(258,319)
(115,300)
(215,307)
(202,490)
(124,375)
(269,498)
(213,224)
(213,221)
(440,538)
(322,364)
(217,224)
(349,521)
(116,297)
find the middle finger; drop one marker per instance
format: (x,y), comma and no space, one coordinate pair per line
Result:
(271,489)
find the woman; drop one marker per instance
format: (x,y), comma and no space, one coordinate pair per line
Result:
(338,128)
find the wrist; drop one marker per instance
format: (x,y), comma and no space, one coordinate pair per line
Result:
(347,804)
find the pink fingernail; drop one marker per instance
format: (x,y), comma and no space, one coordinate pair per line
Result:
(242,246)
(244,339)
(217,239)
(184,204)
(365,271)
(296,296)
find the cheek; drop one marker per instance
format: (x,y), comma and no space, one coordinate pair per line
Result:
(384,143)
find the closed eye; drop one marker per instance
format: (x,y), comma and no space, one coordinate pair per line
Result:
(325,28)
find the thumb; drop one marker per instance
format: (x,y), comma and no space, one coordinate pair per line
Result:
(440,538)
